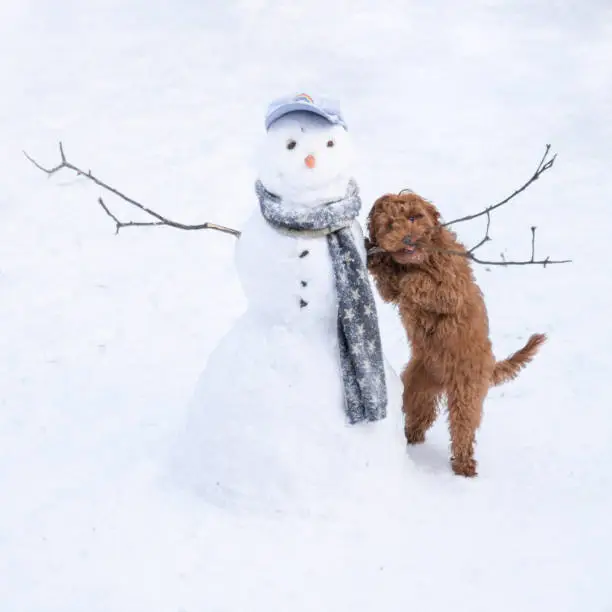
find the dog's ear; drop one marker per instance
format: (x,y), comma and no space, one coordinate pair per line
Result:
(371,218)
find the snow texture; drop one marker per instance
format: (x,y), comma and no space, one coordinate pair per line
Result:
(103,337)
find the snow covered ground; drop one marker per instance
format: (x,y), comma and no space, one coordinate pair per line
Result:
(103,337)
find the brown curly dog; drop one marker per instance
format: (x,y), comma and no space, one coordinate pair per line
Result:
(417,264)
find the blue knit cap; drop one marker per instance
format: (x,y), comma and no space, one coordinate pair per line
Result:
(324,107)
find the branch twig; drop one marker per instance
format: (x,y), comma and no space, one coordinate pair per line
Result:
(486,236)
(504,262)
(160,219)
(543,166)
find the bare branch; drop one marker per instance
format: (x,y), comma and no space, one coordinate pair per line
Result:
(160,219)
(486,236)
(543,262)
(469,254)
(110,214)
(503,262)
(119,224)
(543,166)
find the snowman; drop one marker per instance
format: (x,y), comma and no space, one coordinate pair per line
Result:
(297,400)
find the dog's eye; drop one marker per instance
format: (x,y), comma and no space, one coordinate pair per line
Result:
(291,144)
(390,225)
(415,217)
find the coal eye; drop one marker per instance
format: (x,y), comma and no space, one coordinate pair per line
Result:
(291,145)
(330,143)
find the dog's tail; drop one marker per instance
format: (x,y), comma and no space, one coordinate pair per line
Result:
(509,368)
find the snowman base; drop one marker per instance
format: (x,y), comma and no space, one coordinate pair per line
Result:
(258,437)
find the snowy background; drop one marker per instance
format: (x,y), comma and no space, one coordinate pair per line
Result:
(103,337)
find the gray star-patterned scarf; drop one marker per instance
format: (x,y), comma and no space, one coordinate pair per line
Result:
(361,357)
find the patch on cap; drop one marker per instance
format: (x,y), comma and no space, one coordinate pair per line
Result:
(303,97)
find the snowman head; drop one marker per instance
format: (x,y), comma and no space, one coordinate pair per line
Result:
(306,159)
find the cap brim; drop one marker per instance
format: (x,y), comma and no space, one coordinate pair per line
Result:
(290,107)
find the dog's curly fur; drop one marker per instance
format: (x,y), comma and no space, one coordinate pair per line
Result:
(418,266)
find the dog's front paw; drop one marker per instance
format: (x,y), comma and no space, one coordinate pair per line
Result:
(376,260)
(414,436)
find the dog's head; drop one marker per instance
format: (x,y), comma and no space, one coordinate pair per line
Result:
(403,225)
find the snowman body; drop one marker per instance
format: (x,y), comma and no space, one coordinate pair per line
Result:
(267,422)
(298,285)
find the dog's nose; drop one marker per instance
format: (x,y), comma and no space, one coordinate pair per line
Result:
(407,240)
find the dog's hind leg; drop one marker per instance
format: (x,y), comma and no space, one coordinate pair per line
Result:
(420,401)
(464,415)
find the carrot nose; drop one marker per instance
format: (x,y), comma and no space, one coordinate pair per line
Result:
(310,161)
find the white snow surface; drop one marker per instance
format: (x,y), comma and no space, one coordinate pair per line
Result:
(103,337)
